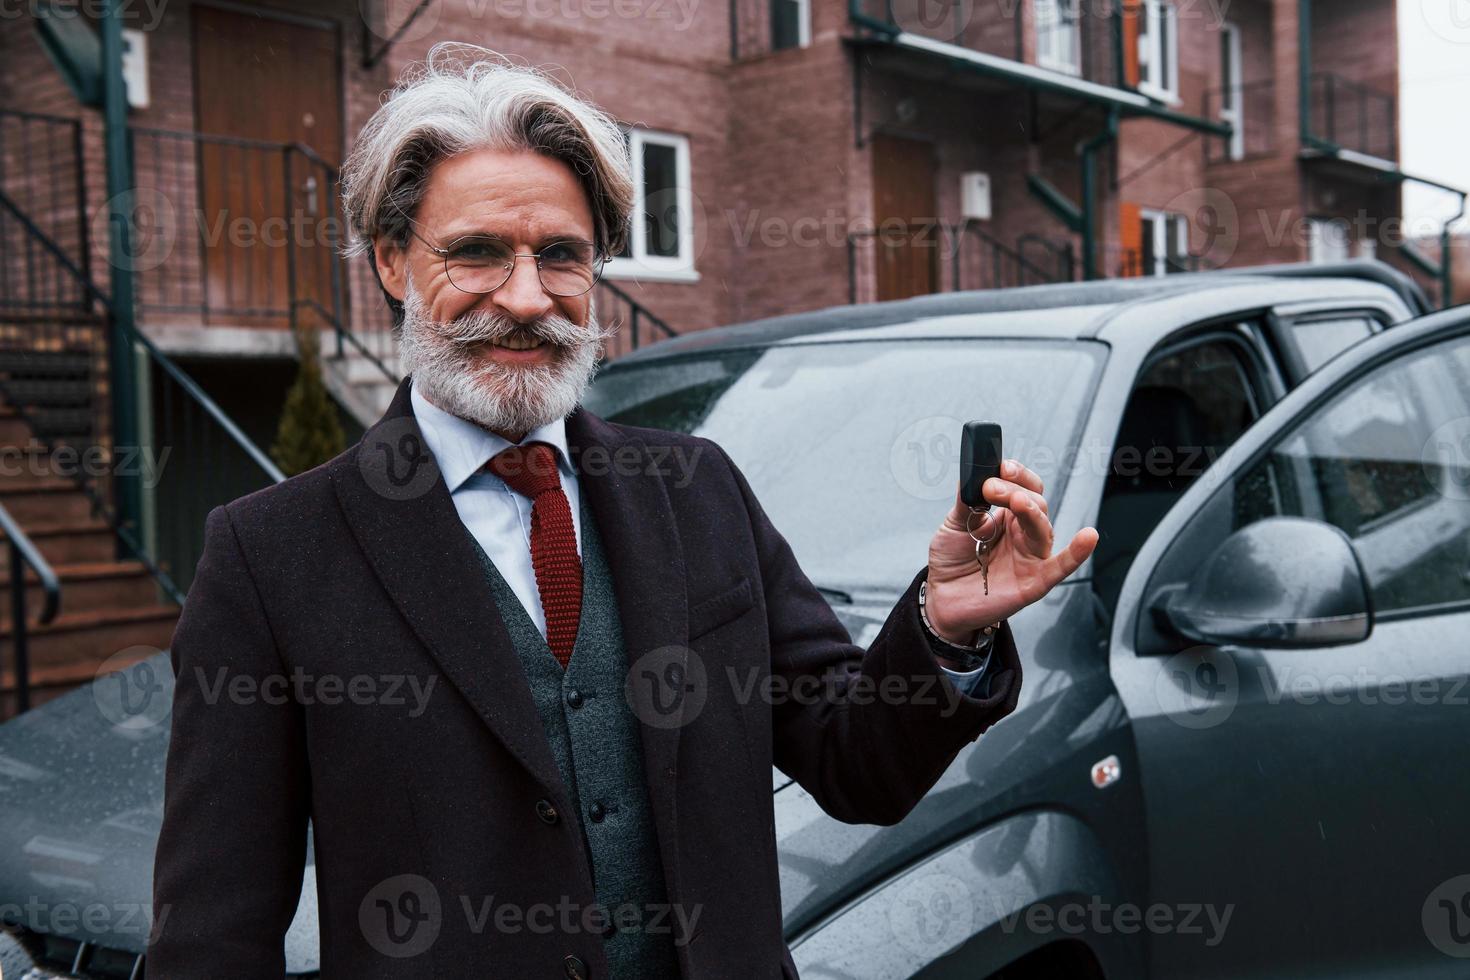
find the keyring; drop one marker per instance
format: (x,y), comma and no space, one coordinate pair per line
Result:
(989,539)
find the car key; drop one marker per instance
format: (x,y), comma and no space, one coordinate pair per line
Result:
(979,460)
(980,455)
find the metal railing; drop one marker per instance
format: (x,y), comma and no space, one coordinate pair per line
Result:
(1077,38)
(196,458)
(914,258)
(1352,116)
(1249,107)
(25,555)
(43,172)
(1122,263)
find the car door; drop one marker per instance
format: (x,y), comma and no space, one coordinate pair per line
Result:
(1303,772)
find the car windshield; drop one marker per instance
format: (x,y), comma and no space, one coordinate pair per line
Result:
(852,448)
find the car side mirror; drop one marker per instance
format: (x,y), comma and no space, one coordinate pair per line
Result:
(1280,582)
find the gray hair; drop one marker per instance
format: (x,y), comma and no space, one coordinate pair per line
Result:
(465,97)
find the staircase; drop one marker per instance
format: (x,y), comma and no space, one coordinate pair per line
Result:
(112,611)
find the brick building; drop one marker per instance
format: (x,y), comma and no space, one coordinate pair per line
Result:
(792,154)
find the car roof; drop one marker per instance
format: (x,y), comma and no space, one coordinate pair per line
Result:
(1061,311)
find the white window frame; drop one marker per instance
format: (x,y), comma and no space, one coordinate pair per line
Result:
(1162,221)
(1161,27)
(1232,95)
(639,264)
(803,24)
(1318,243)
(1058,13)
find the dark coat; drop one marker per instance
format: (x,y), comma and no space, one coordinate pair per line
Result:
(359,572)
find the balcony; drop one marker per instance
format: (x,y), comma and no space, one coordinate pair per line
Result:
(1053,45)
(1350,116)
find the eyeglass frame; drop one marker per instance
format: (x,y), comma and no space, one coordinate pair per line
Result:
(443,253)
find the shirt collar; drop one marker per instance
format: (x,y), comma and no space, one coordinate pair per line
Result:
(461,447)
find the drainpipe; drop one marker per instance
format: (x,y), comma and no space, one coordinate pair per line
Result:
(1304,69)
(122,374)
(1446,259)
(1089,190)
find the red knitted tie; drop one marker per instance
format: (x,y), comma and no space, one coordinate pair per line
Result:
(530,470)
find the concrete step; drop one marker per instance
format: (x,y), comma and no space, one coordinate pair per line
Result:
(105,585)
(51,501)
(52,681)
(72,542)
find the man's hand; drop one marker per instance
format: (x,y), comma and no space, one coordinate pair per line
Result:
(1022,567)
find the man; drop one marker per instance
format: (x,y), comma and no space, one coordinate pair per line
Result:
(498,657)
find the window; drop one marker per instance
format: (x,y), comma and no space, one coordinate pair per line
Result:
(1328,240)
(661,240)
(1320,339)
(1232,94)
(1158,50)
(1187,407)
(1384,461)
(791,24)
(1059,35)
(1165,243)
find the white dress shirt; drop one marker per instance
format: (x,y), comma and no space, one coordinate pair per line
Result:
(497,516)
(500,519)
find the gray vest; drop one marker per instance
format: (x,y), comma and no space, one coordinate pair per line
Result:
(594,737)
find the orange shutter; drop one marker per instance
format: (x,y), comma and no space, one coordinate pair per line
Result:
(1130,240)
(1132,20)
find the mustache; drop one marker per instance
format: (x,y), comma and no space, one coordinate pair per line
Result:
(488,326)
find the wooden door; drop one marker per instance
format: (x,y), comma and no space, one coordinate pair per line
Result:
(907,237)
(268,103)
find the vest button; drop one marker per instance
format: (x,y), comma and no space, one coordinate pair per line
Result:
(546,811)
(574,698)
(596,812)
(575,968)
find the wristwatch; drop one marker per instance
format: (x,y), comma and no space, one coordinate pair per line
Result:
(970,657)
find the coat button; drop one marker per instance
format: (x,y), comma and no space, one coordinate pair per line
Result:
(575,968)
(546,811)
(596,812)
(574,698)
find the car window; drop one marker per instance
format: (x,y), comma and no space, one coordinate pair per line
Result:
(1186,408)
(1388,462)
(852,448)
(1321,338)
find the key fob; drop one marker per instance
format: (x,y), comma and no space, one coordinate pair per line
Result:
(979,460)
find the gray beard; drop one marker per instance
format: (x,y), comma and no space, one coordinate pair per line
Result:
(450,369)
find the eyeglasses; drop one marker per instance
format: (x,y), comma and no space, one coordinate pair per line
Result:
(484,263)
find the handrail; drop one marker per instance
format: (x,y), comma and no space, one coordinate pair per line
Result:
(344,334)
(641,311)
(23,552)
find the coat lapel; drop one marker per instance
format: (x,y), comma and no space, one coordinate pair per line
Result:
(400,511)
(626,494)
